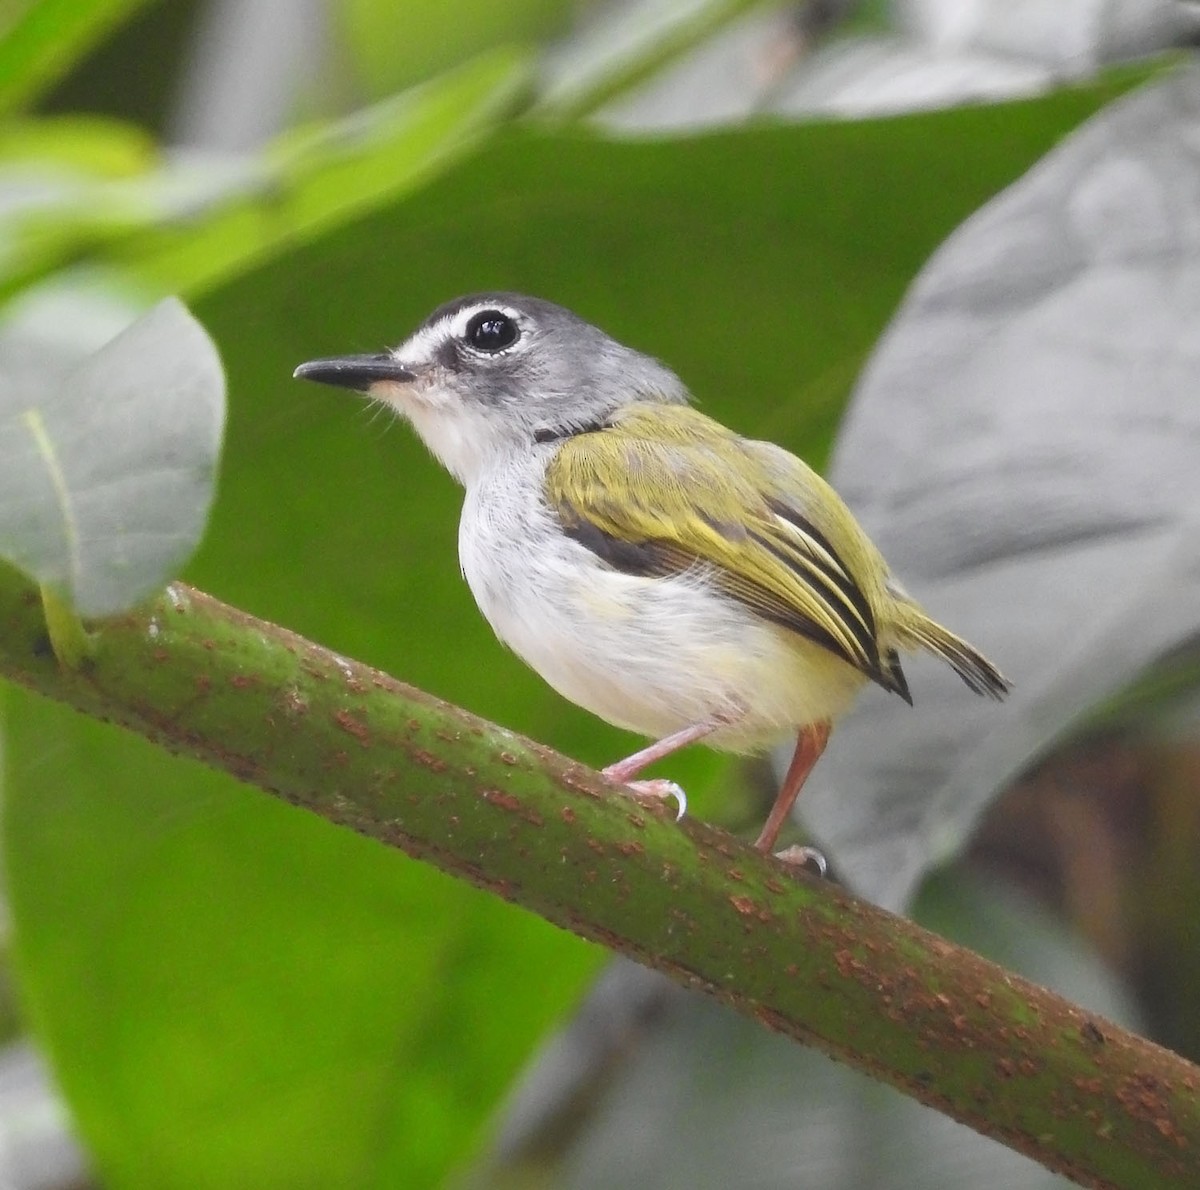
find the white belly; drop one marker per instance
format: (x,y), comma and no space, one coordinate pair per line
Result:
(650,654)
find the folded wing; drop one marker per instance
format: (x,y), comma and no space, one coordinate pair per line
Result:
(665,496)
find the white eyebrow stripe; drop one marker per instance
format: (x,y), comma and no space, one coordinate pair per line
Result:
(458,321)
(423,344)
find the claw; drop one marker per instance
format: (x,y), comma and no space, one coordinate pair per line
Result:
(803,857)
(661,789)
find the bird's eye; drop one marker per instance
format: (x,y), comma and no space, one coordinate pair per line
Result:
(492,331)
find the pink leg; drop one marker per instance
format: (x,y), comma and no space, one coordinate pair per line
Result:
(810,743)
(625,770)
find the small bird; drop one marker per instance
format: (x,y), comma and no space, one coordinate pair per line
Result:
(655,567)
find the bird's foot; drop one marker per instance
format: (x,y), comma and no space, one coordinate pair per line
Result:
(661,789)
(804,857)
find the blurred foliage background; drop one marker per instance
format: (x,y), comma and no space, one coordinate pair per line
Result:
(231,993)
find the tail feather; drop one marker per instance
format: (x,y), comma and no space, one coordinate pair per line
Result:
(919,631)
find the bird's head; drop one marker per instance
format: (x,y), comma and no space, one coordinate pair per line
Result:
(486,375)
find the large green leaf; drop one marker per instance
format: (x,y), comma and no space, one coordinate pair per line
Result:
(228,986)
(257,998)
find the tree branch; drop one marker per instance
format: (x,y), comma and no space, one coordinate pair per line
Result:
(1075,1092)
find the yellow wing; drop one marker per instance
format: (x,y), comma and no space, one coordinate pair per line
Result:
(661,491)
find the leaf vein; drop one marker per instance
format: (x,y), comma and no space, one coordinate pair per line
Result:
(45,446)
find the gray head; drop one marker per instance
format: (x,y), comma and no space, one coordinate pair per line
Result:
(494,373)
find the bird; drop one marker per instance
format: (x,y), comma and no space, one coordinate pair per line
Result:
(655,567)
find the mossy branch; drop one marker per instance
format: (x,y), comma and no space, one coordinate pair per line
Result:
(1075,1092)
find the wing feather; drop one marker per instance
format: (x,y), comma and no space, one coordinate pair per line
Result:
(665,498)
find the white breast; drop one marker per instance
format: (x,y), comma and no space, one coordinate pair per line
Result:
(649,654)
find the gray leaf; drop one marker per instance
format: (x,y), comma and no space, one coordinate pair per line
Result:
(109,466)
(1025,449)
(1072,39)
(871,75)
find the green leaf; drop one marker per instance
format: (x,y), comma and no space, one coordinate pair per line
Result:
(60,186)
(627,45)
(394,45)
(320,177)
(42,41)
(244,995)
(109,467)
(194,220)
(91,146)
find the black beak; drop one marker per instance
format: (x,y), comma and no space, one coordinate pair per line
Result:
(358,372)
